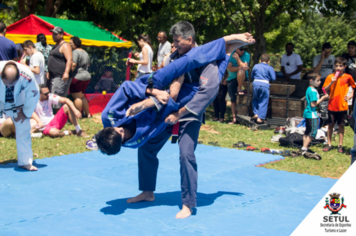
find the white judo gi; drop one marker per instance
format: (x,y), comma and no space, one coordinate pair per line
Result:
(26,95)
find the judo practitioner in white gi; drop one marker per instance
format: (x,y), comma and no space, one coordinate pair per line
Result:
(18,98)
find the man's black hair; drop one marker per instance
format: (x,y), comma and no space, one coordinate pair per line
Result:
(291,44)
(341,60)
(109,141)
(2,27)
(184,29)
(352,43)
(42,38)
(326,46)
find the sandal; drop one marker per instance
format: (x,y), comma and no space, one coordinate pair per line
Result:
(233,122)
(310,155)
(200,142)
(250,148)
(327,148)
(240,144)
(296,153)
(214,144)
(340,149)
(266,150)
(215,119)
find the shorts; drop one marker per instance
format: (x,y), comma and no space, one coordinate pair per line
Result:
(311,126)
(60,88)
(338,117)
(58,122)
(232,89)
(78,86)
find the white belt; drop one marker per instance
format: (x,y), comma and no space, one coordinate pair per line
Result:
(261,80)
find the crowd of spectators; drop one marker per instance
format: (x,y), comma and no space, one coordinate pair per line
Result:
(56,69)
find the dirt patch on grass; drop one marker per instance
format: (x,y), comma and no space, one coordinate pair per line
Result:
(209,129)
(97,118)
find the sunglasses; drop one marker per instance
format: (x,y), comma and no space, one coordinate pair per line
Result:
(45,93)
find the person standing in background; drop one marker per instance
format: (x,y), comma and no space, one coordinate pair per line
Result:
(146,56)
(291,63)
(324,63)
(7,47)
(59,65)
(45,49)
(37,61)
(220,100)
(164,47)
(81,80)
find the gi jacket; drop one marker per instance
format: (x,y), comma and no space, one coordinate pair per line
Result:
(26,92)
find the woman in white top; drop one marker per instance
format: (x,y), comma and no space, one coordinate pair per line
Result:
(146,56)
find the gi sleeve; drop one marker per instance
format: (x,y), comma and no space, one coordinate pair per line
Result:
(32,95)
(208,89)
(272,73)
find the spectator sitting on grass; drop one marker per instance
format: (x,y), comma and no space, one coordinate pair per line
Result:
(106,82)
(338,106)
(310,115)
(52,124)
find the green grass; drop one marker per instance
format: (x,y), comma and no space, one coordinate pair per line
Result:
(332,165)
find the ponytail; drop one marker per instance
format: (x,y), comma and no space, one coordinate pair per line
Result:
(146,39)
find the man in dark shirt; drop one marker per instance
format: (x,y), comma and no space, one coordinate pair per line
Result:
(7,47)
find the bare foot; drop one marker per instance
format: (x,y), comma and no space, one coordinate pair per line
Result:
(82,134)
(234,41)
(145,196)
(184,213)
(29,167)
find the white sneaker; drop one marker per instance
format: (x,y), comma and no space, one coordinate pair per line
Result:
(36,135)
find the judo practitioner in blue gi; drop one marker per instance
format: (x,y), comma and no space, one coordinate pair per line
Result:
(203,69)
(261,74)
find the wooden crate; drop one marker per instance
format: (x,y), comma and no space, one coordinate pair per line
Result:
(277,89)
(277,107)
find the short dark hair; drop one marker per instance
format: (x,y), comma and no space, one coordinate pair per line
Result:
(312,76)
(28,43)
(2,27)
(109,141)
(264,58)
(291,44)
(77,42)
(184,29)
(341,60)
(41,86)
(326,46)
(352,43)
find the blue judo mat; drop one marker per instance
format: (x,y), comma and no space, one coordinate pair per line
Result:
(85,194)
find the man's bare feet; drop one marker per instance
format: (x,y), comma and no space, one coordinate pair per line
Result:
(145,196)
(82,134)
(234,41)
(29,167)
(184,213)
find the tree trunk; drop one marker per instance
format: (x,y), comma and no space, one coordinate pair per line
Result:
(22,8)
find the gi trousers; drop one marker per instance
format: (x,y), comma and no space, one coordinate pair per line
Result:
(148,161)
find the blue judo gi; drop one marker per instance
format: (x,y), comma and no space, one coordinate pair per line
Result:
(195,65)
(149,123)
(262,74)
